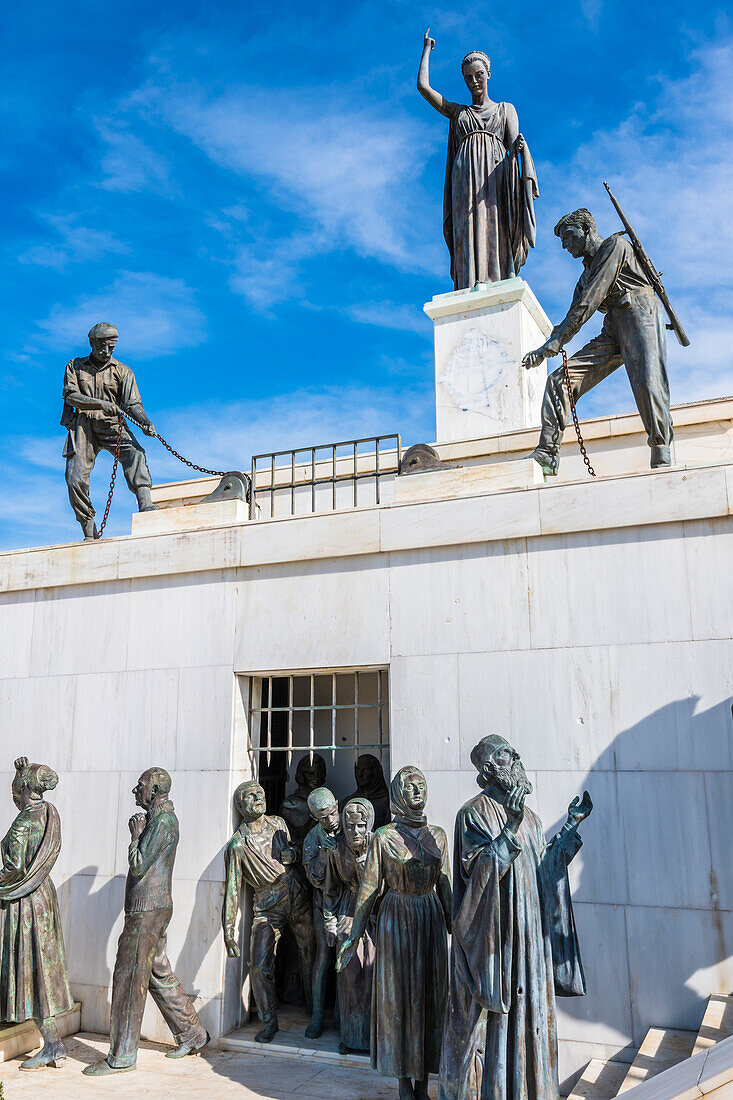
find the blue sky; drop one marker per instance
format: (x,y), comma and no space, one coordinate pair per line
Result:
(253,193)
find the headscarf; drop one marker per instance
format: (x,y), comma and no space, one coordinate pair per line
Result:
(378,786)
(401,812)
(366,804)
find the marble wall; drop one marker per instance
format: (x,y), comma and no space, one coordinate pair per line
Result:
(604,655)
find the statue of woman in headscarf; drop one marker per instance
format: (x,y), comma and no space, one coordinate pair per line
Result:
(371,784)
(34,983)
(490,178)
(409,859)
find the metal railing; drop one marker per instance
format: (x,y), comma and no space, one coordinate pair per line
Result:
(323,478)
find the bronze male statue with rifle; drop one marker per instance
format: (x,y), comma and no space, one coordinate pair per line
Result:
(96,387)
(620,281)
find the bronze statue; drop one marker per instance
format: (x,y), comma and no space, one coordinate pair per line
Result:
(260,852)
(322,838)
(142,963)
(34,983)
(490,178)
(95,388)
(344,871)
(514,941)
(371,784)
(309,774)
(633,335)
(409,858)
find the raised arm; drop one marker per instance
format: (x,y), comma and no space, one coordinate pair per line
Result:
(435,99)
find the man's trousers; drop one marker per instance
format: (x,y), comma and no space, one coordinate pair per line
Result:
(634,337)
(81,450)
(142,965)
(291,906)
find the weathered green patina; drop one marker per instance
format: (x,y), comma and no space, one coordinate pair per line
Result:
(34,983)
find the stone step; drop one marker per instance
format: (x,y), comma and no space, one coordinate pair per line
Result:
(17,1039)
(600,1080)
(717,1022)
(662,1048)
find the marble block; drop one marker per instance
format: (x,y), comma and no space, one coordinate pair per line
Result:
(17,1039)
(465,481)
(481,336)
(190,517)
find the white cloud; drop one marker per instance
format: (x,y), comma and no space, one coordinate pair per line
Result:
(392,316)
(77,243)
(130,165)
(155,315)
(346,175)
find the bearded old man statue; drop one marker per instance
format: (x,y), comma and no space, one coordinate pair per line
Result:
(514,939)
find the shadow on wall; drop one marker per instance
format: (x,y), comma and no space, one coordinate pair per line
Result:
(89,918)
(658,849)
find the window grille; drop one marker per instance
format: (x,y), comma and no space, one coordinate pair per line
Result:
(327,477)
(339,715)
(324,712)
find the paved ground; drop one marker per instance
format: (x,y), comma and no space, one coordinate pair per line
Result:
(218,1075)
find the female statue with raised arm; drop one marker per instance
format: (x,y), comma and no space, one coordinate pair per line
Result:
(409,858)
(34,983)
(490,178)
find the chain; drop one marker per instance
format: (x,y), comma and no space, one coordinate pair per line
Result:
(121,413)
(581,444)
(201,469)
(112,479)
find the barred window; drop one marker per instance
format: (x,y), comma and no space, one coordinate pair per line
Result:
(340,715)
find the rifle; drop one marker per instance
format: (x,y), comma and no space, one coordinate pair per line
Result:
(654,276)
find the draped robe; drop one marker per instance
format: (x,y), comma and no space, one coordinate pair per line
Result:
(34,983)
(488,203)
(344,872)
(514,947)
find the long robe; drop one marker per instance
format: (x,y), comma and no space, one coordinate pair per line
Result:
(410,973)
(344,872)
(514,947)
(488,204)
(34,983)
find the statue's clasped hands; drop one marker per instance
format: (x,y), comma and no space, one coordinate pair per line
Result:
(136,824)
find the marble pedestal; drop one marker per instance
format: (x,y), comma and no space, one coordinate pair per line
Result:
(466,481)
(481,336)
(190,517)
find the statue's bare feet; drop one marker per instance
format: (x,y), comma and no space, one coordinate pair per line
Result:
(267,1033)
